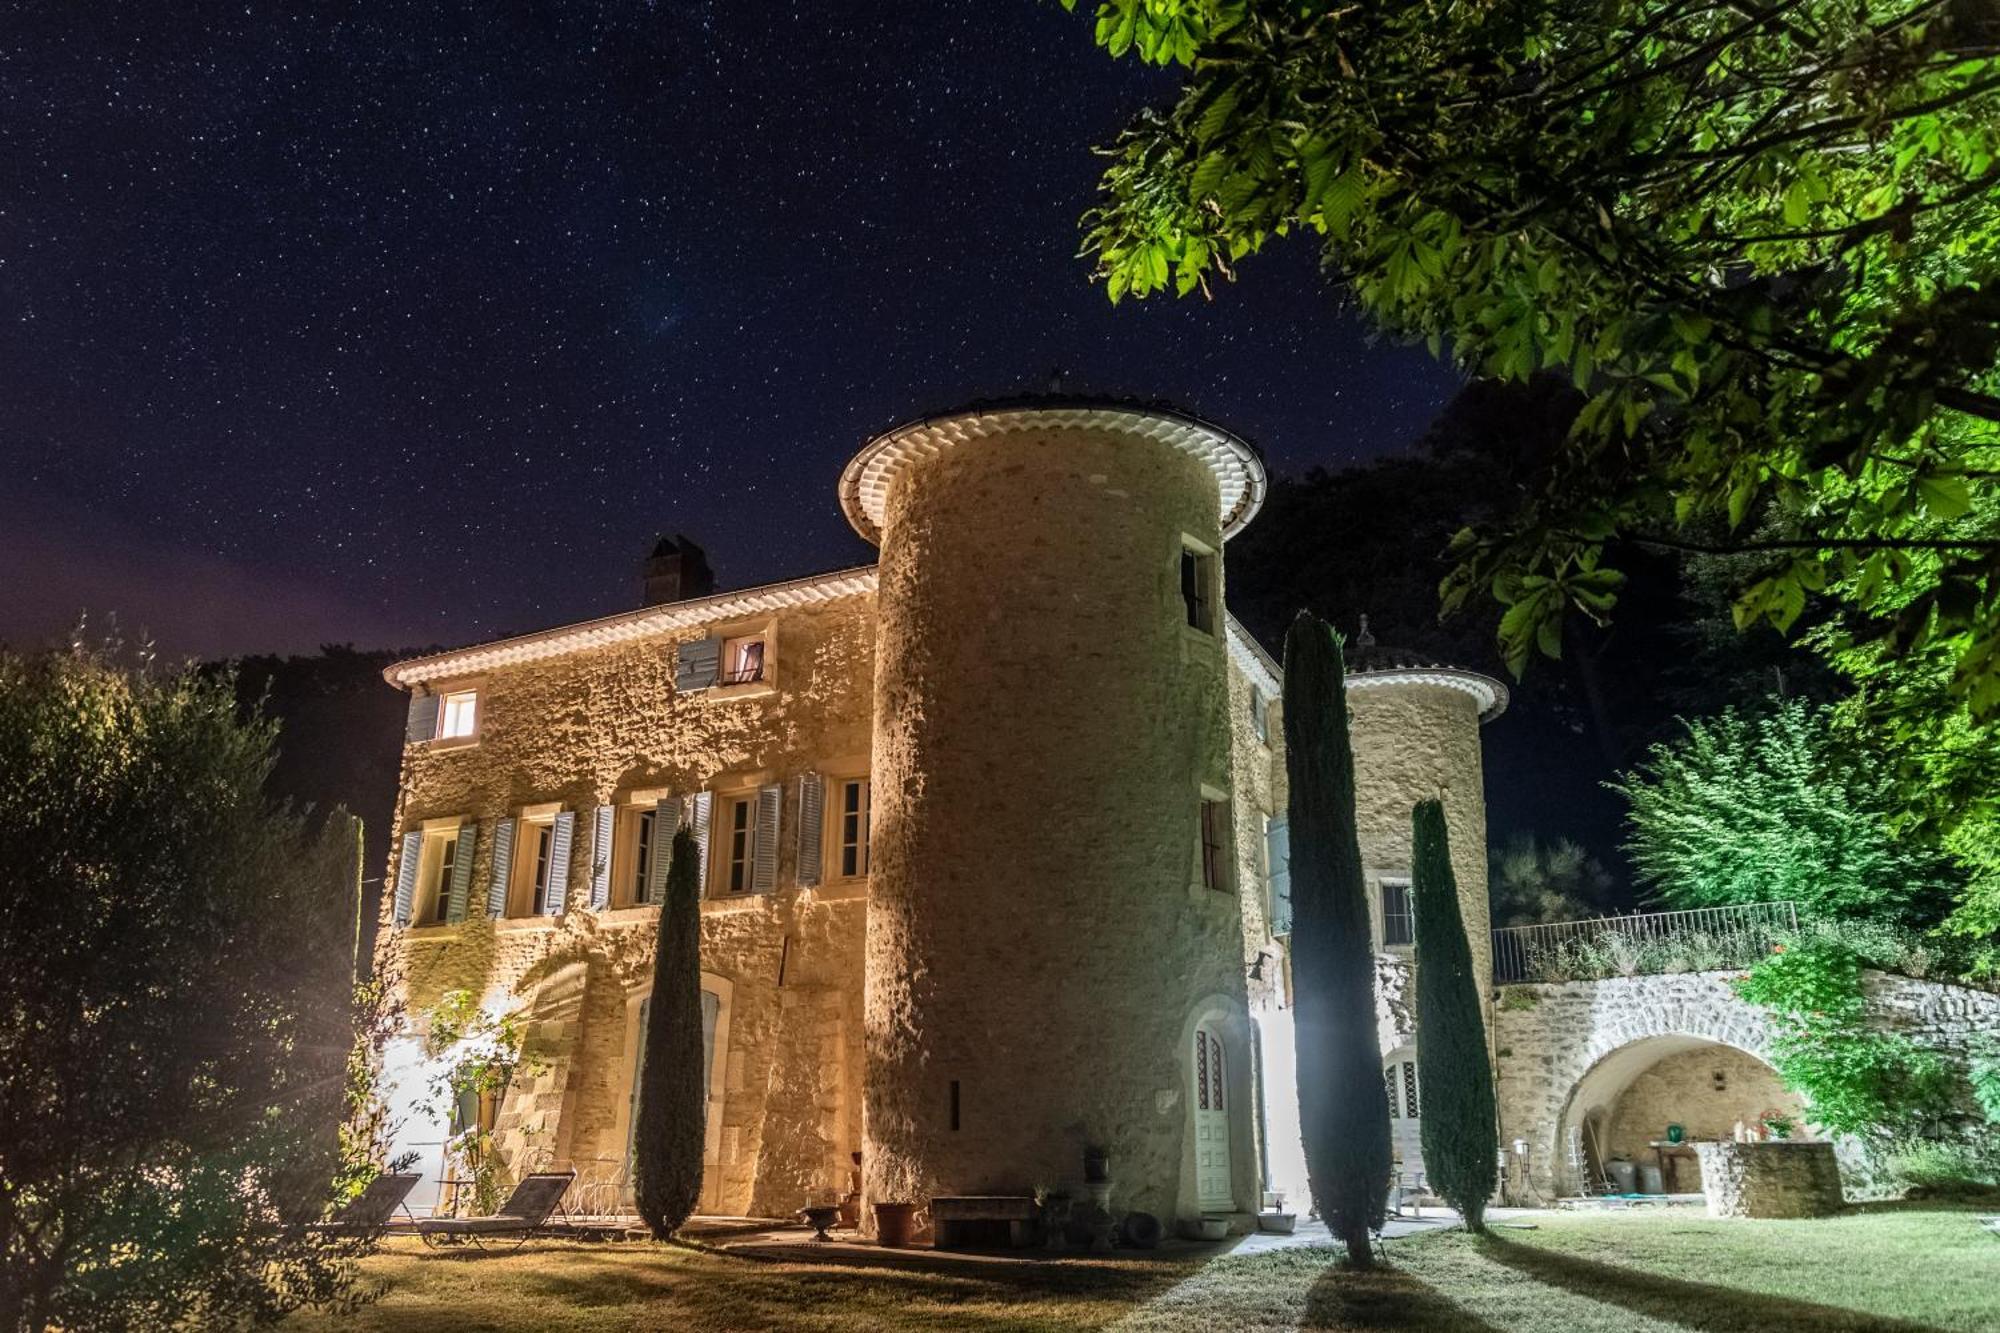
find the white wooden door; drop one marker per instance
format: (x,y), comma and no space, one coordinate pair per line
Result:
(1211,1125)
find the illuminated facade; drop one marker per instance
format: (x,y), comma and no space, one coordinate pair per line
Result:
(992,831)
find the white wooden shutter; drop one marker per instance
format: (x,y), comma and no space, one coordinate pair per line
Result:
(1278,860)
(503,867)
(812,823)
(461,871)
(697,664)
(666,823)
(560,841)
(423,722)
(764,839)
(700,807)
(600,857)
(406,875)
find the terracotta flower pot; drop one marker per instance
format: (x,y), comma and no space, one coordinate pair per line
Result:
(892,1223)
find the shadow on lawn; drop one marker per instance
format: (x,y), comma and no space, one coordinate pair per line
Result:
(1696,1305)
(1384,1298)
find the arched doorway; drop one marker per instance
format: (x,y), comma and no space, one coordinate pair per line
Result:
(716,994)
(1399,1085)
(1625,1106)
(1214,1186)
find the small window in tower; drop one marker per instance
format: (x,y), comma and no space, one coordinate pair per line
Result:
(853,828)
(458,715)
(1399,925)
(1215,846)
(1260,715)
(1198,588)
(743,660)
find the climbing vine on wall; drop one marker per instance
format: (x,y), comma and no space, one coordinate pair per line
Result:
(485,1052)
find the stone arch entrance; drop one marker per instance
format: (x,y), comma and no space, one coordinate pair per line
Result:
(1622,1107)
(1219,1164)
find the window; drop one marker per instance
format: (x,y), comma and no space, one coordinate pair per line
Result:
(439,861)
(1410,1107)
(1399,1080)
(533,861)
(1395,1095)
(737,818)
(1197,583)
(852,831)
(634,863)
(1260,715)
(743,660)
(458,715)
(1399,926)
(1215,845)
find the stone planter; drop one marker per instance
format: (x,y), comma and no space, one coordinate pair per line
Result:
(1777,1178)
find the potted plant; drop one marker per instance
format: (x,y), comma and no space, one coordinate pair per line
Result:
(1778,1125)
(1277,1220)
(893,1224)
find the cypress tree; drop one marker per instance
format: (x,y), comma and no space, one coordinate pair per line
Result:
(1342,1112)
(668,1138)
(1460,1137)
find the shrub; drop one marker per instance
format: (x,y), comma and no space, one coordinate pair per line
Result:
(1461,1138)
(1943,1166)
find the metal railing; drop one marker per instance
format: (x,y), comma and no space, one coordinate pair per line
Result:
(1646,942)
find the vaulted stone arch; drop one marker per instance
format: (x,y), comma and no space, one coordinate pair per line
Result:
(1548,1040)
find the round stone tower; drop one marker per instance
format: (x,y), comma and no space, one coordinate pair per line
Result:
(1415,724)
(1044,957)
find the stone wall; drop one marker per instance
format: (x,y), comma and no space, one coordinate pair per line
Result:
(1038,935)
(599,726)
(1564,1049)
(1769,1179)
(1707,1091)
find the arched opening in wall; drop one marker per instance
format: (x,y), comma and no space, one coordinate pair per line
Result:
(716,994)
(1406,1143)
(1629,1121)
(1213,1100)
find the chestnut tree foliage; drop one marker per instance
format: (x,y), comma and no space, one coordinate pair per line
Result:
(177,1014)
(1762,238)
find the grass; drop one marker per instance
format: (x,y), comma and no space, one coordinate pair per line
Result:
(1908,1268)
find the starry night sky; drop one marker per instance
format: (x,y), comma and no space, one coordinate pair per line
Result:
(399,324)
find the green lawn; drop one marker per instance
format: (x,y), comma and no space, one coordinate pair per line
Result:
(1907,1268)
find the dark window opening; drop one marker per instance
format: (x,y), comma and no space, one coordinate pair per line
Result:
(1214,845)
(1399,925)
(954,1104)
(642,857)
(1197,577)
(545,836)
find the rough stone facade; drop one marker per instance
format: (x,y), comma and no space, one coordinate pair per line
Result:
(1606,1065)
(1778,1179)
(1024,969)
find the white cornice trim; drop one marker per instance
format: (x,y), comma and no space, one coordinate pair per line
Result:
(1488,693)
(865,482)
(626,626)
(1253,661)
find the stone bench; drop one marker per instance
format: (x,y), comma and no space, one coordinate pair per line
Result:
(964,1221)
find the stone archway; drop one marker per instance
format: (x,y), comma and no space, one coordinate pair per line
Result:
(1220,1026)
(1549,1038)
(1622,1106)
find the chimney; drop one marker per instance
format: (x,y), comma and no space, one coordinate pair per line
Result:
(677,570)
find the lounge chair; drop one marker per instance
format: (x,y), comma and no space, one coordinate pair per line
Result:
(526,1211)
(370,1210)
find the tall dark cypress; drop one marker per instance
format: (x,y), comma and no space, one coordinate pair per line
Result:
(1342,1112)
(668,1139)
(1460,1135)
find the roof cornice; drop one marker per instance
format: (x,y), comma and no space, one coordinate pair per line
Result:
(1489,694)
(627,626)
(865,482)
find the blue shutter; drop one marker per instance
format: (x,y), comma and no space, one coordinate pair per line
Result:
(559,845)
(503,867)
(600,858)
(666,823)
(461,871)
(406,875)
(764,839)
(699,808)
(1278,859)
(697,664)
(423,723)
(812,823)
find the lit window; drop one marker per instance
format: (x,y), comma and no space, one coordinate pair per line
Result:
(1197,588)
(458,715)
(1215,845)
(743,660)
(736,847)
(440,861)
(853,828)
(532,864)
(636,859)
(1399,926)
